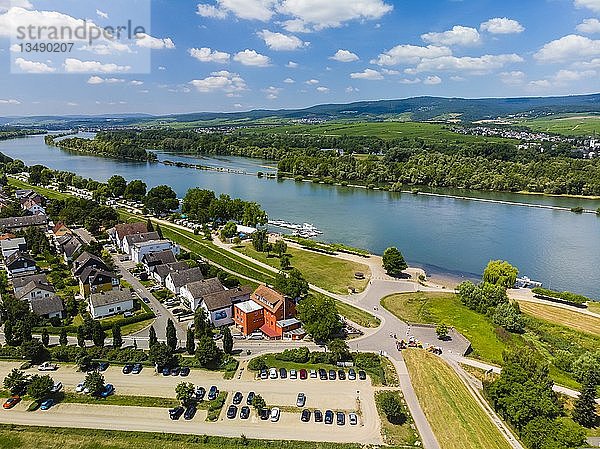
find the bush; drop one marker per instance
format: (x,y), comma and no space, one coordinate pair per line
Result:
(568,297)
(257,364)
(319,358)
(391,405)
(296,355)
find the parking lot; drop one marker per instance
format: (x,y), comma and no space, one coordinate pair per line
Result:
(339,395)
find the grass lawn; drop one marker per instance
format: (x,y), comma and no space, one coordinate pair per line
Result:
(115,399)
(397,434)
(432,308)
(456,418)
(356,315)
(574,320)
(594,306)
(331,273)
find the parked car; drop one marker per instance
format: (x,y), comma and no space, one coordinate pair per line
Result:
(146,300)
(185,371)
(275,413)
(128,368)
(47,366)
(80,387)
(322,374)
(212,393)
(250,398)
(200,392)
(166,371)
(175,413)
(175,371)
(264,414)
(47,404)
(313,374)
(264,374)
(127,314)
(305,417)
(282,373)
(328,417)
(362,375)
(340,418)
(318,416)
(273,373)
(301,400)
(190,411)
(56,387)
(137,368)
(103,366)
(353,419)
(231,411)
(245,412)
(11,402)
(351,374)
(332,374)
(293,374)
(303,374)
(108,390)
(237,398)
(341,374)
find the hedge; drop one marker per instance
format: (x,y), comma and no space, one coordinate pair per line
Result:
(569,297)
(106,326)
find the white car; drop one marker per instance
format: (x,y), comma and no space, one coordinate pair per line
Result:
(293,374)
(301,400)
(273,373)
(313,373)
(79,388)
(47,366)
(353,419)
(56,387)
(275,413)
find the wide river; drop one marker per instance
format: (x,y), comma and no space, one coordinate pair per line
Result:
(442,234)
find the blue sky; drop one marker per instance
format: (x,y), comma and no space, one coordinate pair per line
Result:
(231,55)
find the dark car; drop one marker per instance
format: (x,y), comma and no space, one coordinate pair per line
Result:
(146,300)
(137,368)
(175,371)
(245,412)
(47,404)
(108,390)
(175,413)
(103,366)
(250,398)
(237,398)
(127,368)
(166,371)
(340,418)
(322,374)
(318,416)
(332,374)
(328,417)
(303,374)
(200,393)
(305,417)
(341,374)
(282,373)
(190,411)
(185,371)
(362,375)
(231,411)
(212,393)
(264,413)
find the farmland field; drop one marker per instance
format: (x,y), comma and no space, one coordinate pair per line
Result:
(571,125)
(557,315)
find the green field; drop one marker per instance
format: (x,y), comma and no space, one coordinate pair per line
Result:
(457,420)
(568,125)
(396,434)
(358,316)
(330,273)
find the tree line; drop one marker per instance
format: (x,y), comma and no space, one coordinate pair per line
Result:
(100,145)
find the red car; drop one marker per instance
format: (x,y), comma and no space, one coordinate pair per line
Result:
(303,374)
(11,402)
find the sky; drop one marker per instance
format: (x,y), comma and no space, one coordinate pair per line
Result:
(236,55)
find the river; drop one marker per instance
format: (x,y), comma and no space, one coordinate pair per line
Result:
(442,234)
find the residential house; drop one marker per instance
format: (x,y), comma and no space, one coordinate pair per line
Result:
(35,289)
(160,272)
(21,281)
(33,207)
(19,262)
(68,245)
(93,274)
(248,316)
(139,250)
(120,231)
(151,260)
(130,240)
(13,245)
(51,307)
(25,194)
(177,279)
(60,230)
(15,224)
(193,292)
(219,305)
(109,303)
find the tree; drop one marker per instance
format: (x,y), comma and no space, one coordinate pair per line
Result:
(8,333)
(116,185)
(585,406)
(260,240)
(161,355)
(442,331)
(320,317)
(190,342)
(34,351)
(161,200)
(171,335)
(116,336)
(94,382)
(560,433)
(45,337)
(229,231)
(500,272)
(39,387)
(62,339)
(508,315)
(393,261)
(227,341)
(149,225)
(291,284)
(208,353)
(338,351)
(98,334)
(391,406)
(184,392)
(81,336)
(84,361)
(202,326)
(159,231)
(135,190)
(16,381)
(588,364)
(280,247)
(284,262)
(152,339)
(258,402)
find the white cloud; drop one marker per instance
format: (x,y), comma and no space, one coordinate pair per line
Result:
(351,89)
(33,67)
(280,41)
(295,26)
(323,89)
(568,76)
(457,78)
(5,5)
(312,82)
(272,92)
(73,65)
(540,84)
(101,14)
(432,80)
(367,74)
(261,10)
(211,11)
(475,65)
(567,48)
(458,35)
(9,101)
(289,81)
(594,5)
(72,103)
(146,41)
(223,81)
(589,26)
(390,72)
(502,25)
(136,83)
(410,54)
(344,56)
(100,80)
(162,67)
(292,65)
(252,58)
(513,78)
(410,81)
(206,54)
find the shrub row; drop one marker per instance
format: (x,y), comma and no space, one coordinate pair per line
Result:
(568,297)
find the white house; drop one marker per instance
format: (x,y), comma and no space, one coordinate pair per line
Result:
(10,246)
(132,239)
(18,263)
(139,250)
(177,279)
(51,307)
(36,289)
(109,303)
(193,292)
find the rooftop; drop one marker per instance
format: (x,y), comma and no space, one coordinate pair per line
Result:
(125,229)
(140,238)
(45,306)
(203,287)
(109,298)
(191,275)
(249,306)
